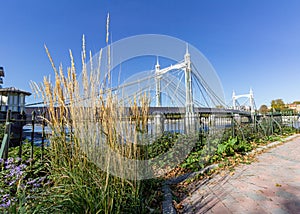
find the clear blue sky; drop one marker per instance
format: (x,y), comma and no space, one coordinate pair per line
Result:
(250,43)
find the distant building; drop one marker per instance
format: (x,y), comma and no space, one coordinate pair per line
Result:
(295,106)
(12,99)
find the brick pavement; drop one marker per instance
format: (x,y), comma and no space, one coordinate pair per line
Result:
(269,185)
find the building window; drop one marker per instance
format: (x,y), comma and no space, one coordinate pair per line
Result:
(15,104)
(3,102)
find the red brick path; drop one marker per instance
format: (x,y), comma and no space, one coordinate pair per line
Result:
(270,185)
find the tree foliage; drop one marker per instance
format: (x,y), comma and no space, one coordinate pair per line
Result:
(263,109)
(278,105)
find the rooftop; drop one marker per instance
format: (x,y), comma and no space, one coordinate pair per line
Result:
(13,90)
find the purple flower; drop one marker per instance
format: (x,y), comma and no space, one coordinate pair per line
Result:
(8,166)
(41,179)
(4,197)
(18,170)
(23,166)
(1,161)
(18,159)
(31,182)
(8,203)
(9,161)
(3,205)
(15,171)
(12,183)
(48,183)
(36,185)
(29,160)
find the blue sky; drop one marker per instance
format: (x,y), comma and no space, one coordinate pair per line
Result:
(250,43)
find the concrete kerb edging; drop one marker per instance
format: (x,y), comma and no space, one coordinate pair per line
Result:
(273,144)
(167,204)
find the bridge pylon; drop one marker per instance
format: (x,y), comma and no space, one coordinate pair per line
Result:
(250,96)
(190,121)
(189,102)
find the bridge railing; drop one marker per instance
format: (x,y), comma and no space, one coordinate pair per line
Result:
(274,122)
(205,123)
(232,124)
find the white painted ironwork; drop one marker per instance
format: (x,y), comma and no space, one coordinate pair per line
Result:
(186,66)
(250,96)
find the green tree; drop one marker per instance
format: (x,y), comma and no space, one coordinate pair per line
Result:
(296,102)
(263,109)
(278,105)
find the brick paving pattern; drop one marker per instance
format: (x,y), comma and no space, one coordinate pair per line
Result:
(269,185)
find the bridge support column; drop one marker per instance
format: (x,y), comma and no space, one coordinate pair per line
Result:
(158,123)
(190,123)
(237,118)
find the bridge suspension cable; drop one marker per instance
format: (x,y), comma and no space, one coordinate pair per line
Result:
(214,97)
(172,84)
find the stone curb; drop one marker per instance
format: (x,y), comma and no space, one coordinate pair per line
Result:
(273,144)
(167,204)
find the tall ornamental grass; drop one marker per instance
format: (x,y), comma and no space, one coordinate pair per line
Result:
(84,115)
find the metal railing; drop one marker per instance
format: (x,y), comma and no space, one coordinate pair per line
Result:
(18,137)
(205,123)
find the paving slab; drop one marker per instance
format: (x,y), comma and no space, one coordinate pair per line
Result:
(269,185)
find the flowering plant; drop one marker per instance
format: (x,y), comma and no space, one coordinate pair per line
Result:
(20,183)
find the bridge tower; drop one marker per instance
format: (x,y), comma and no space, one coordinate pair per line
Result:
(250,96)
(251,100)
(158,84)
(190,123)
(189,103)
(158,116)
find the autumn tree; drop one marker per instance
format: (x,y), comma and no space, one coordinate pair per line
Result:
(263,109)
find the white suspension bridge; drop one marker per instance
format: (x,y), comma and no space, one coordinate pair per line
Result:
(183,88)
(180,88)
